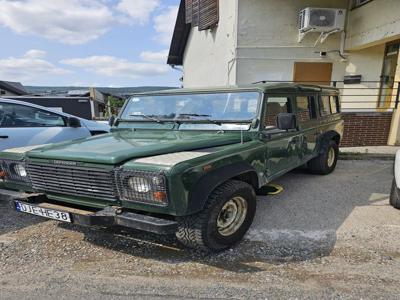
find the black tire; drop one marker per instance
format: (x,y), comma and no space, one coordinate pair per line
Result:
(319,165)
(395,195)
(200,231)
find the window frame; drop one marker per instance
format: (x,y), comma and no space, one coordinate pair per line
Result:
(336,102)
(37,110)
(311,104)
(320,106)
(290,107)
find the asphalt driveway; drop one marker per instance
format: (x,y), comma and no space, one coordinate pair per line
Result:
(329,236)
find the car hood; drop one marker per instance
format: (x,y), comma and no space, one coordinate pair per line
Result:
(120,146)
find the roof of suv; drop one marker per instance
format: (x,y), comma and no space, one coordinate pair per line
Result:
(262,87)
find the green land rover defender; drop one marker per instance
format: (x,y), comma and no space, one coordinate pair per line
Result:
(186,161)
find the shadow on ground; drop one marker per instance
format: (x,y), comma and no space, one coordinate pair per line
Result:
(298,224)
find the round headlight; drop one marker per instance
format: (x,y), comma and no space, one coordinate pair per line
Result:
(139,184)
(20,170)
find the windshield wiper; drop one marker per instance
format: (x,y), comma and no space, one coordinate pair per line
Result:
(193,115)
(147,117)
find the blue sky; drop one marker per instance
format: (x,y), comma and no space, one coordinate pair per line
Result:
(87,42)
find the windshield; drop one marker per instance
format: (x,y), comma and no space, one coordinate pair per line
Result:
(203,107)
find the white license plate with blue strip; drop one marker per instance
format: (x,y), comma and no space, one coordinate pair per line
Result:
(42,212)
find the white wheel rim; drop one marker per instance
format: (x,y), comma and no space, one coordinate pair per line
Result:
(331,157)
(231,216)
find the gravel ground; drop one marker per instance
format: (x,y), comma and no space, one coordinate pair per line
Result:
(324,237)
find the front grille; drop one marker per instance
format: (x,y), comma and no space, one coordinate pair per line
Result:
(72,180)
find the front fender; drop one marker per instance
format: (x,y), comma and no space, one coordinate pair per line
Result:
(211,180)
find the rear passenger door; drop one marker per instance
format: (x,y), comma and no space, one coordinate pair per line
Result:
(306,113)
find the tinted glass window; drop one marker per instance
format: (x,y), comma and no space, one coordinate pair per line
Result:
(14,115)
(305,108)
(275,106)
(325,106)
(334,104)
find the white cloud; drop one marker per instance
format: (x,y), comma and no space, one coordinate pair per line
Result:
(30,67)
(35,53)
(116,67)
(68,21)
(160,56)
(138,10)
(164,24)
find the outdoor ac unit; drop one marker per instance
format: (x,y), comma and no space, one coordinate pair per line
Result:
(321,19)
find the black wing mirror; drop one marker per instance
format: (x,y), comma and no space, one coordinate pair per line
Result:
(74,122)
(286,121)
(111,120)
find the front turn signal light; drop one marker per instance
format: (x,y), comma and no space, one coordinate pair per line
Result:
(160,196)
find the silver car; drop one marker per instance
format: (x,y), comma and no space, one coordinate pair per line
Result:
(25,124)
(395,192)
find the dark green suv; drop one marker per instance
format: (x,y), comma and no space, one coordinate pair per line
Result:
(185,161)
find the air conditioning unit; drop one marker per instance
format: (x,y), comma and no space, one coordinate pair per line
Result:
(321,19)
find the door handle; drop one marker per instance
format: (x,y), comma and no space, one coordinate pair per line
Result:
(3,136)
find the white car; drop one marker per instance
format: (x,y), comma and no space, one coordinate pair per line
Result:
(395,192)
(25,124)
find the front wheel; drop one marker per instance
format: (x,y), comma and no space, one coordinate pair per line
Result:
(226,217)
(326,161)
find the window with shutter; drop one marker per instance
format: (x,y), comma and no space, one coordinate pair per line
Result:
(208,14)
(202,13)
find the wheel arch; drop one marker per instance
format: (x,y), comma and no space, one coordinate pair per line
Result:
(239,171)
(328,136)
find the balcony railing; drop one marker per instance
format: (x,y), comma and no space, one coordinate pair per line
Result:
(366,96)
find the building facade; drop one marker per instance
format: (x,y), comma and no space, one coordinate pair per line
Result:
(258,40)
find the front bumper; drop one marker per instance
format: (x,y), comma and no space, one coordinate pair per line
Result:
(109,216)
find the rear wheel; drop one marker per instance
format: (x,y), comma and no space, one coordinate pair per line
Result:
(395,195)
(226,217)
(326,161)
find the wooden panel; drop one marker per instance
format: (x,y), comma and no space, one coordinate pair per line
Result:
(208,14)
(195,12)
(313,73)
(188,11)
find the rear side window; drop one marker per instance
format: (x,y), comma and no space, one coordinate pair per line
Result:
(305,108)
(325,106)
(334,104)
(275,106)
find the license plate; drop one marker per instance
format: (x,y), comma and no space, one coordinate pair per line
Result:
(43,212)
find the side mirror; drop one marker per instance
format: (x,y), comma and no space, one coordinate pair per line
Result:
(74,122)
(111,120)
(286,121)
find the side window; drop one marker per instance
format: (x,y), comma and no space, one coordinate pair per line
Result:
(305,108)
(324,106)
(15,115)
(275,106)
(334,104)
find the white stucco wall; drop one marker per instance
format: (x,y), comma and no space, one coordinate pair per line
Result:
(367,63)
(376,22)
(209,55)
(268,40)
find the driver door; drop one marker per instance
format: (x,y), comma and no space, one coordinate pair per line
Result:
(282,148)
(22,125)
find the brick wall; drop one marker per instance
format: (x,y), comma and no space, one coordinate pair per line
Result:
(366,129)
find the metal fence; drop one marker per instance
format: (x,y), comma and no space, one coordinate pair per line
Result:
(363,96)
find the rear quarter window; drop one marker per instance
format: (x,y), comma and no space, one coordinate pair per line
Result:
(334,104)
(324,106)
